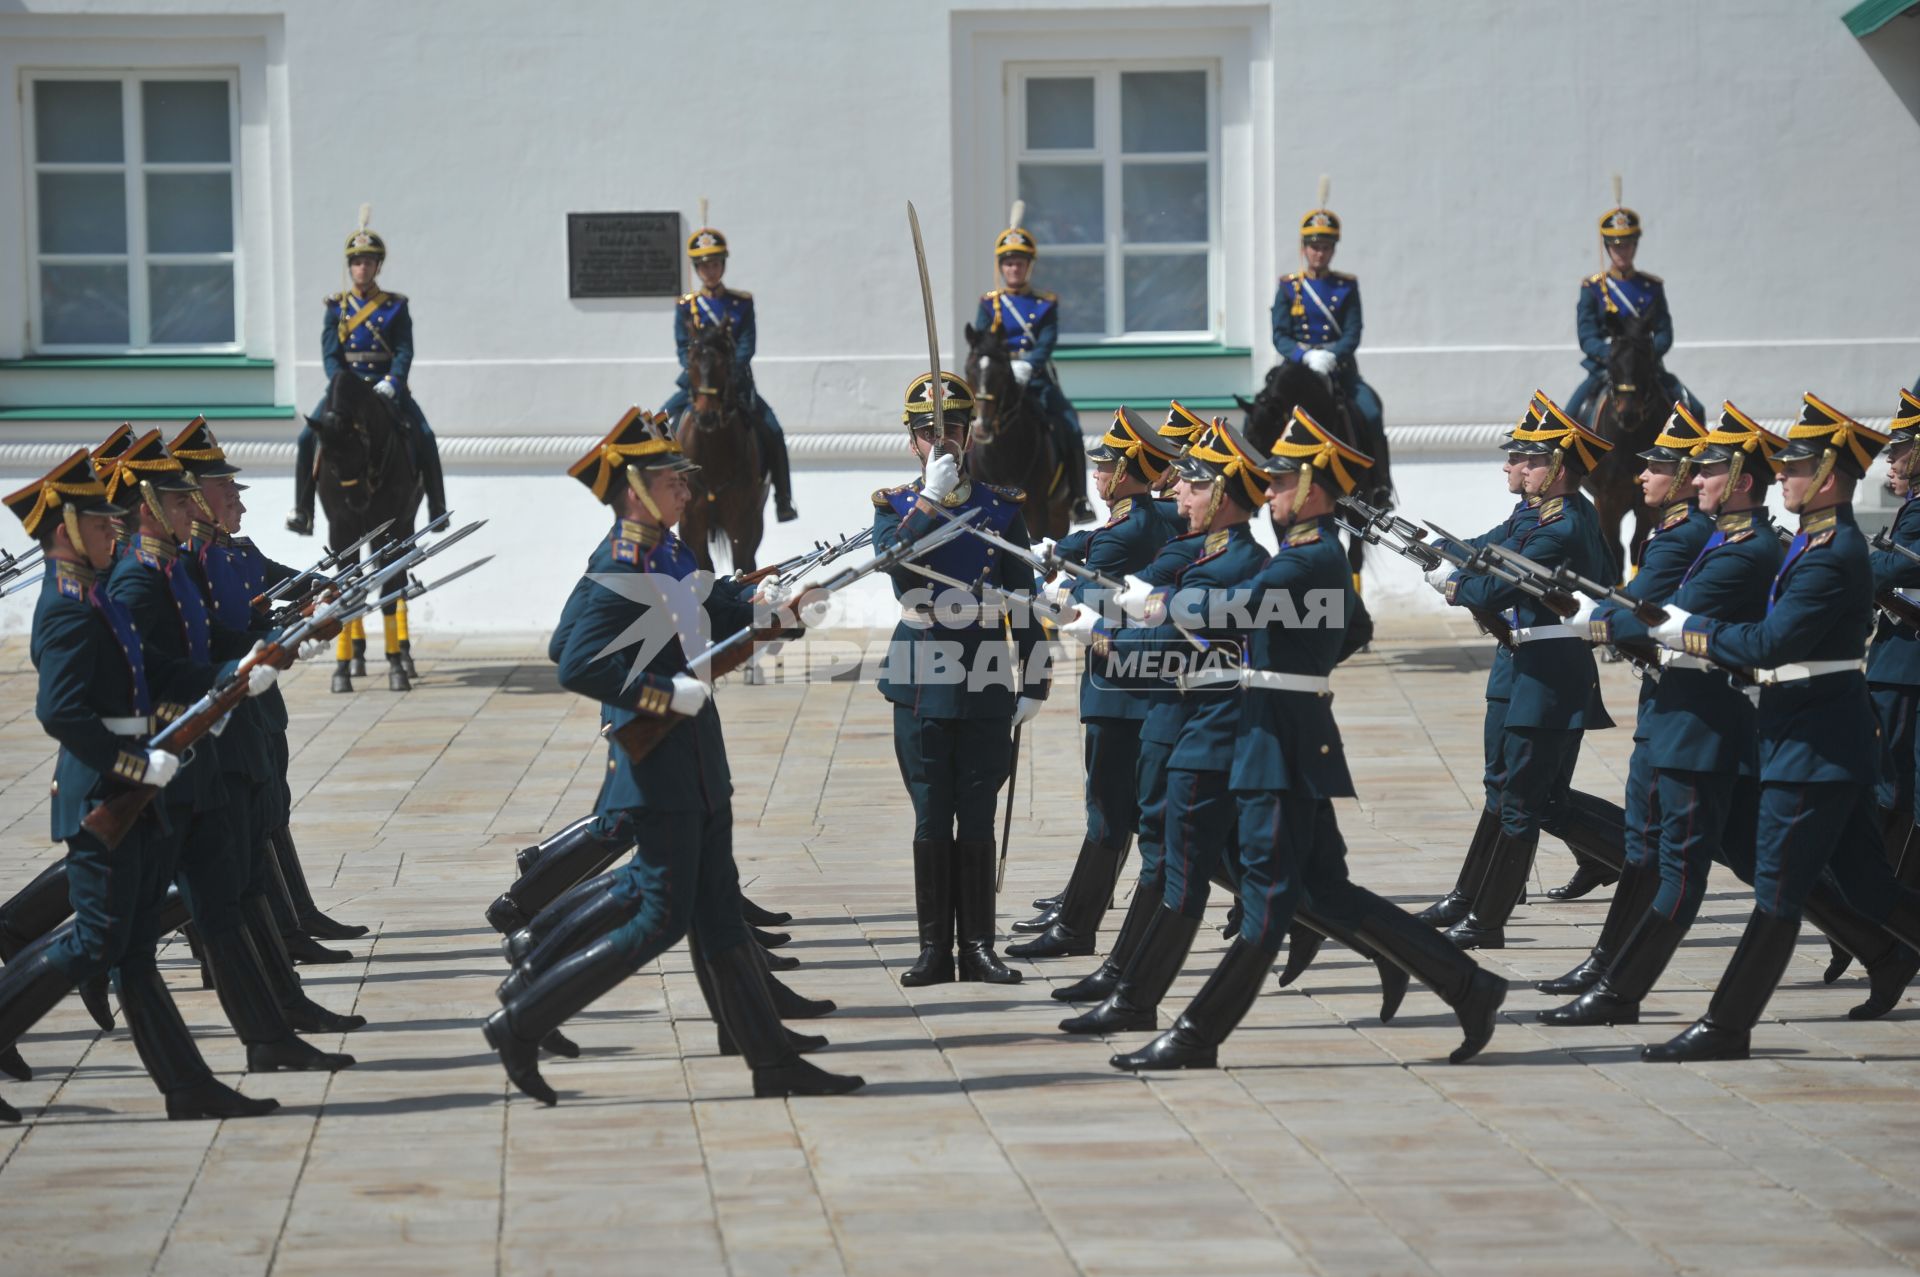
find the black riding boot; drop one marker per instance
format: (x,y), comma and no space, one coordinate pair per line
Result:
(1725,1032)
(247,997)
(933,877)
(747,1011)
(519,945)
(30,986)
(306,914)
(1071,933)
(1098,986)
(723,1040)
(34,910)
(1310,925)
(527,857)
(426,458)
(791,1005)
(1890,965)
(574,854)
(1223,1001)
(1639,884)
(1595,831)
(300,520)
(1616,998)
(1136,996)
(773,453)
(1484,927)
(596,915)
(754,915)
(1456,904)
(562,992)
(173,1061)
(974,868)
(1475,995)
(302,1013)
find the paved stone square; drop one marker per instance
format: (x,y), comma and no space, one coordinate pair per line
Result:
(984,1140)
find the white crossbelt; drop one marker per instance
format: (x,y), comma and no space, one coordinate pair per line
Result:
(1267,680)
(1535,633)
(128,726)
(1806,670)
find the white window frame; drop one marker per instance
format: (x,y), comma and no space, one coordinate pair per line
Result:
(134,166)
(1106,152)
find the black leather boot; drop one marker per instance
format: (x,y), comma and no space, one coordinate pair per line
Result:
(172,1059)
(756,916)
(1890,965)
(768,939)
(1223,1001)
(1725,1032)
(30,986)
(780,961)
(723,1040)
(1475,995)
(1587,877)
(1615,998)
(1484,927)
(1456,904)
(1047,904)
(303,1014)
(789,1004)
(93,996)
(527,857)
(1040,921)
(300,518)
(575,854)
(34,910)
(519,945)
(559,931)
(306,914)
(248,1000)
(1099,985)
(1076,923)
(978,963)
(1595,831)
(1639,884)
(1311,923)
(933,877)
(748,1013)
(8,1113)
(1164,944)
(304,950)
(569,987)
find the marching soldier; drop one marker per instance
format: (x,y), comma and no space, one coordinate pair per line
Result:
(1316,316)
(1551,679)
(1130,459)
(1893,659)
(1028,320)
(1291,765)
(369,331)
(715,304)
(1818,757)
(956,702)
(1613,298)
(682,879)
(98,693)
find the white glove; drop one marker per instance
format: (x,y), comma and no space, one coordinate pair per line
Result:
(690,695)
(385,388)
(1438,576)
(1022,371)
(161,767)
(1587,609)
(310,648)
(260,678)
(1080,628)
(1027,710)
(1132,601)
(1321,361)
(1672,631)
(943,476)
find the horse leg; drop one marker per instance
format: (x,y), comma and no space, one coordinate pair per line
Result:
(357,630)
(397,680)
(406,640)
(343,659)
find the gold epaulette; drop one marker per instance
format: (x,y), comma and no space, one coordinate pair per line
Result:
(1594,278)
(1649,275)
(1046,296)
(73,580)
(1014,495)
(1342,275)
(880,495)
(740,292)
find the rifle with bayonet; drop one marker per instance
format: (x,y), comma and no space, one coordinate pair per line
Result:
(823,552)
(13,571)
(318,572)
(1408,540)
(1893,602)
(322,587)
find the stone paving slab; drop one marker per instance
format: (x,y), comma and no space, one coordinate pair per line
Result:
(985,1139)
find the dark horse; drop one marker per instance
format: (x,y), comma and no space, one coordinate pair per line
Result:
(717,434)
(1293,385)
(1012,444)
(367,477)
(1628,414)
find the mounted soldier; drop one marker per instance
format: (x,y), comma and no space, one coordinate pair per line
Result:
(369,333)
(1623,302)
(1316,321)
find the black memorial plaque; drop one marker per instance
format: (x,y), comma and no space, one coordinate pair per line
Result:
(623,254)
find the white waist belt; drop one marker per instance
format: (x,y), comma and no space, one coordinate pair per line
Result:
(128,726)
(1672,660)
(1535,633)
(1805,670)
(1269,680)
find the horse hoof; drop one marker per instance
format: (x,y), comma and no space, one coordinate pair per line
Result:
(397,680)
(359,667)
(342,678)
(406,663)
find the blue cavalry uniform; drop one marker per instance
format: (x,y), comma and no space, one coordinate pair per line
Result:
(1554,691)
(1893,658)
(706,309)
(1136,458)
(1290,769)
(1027,319)
(1818,756)
(1610,303)
(1321,313)
(682,879)
(955,690)
(371,336)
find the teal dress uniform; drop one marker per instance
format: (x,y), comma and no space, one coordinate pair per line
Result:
(1893,674)
(1323,313)
(712,308)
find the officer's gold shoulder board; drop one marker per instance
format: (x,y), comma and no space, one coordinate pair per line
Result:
(625,551)
(1012,495)
(990,296)
(1594,278)
(1303,534)
(1046,296)
(1121,509)
(686,299)
(741,293)
(881,495)
(398,299)
(71,579)
(1676,514)
(1341,276)
(1216,541)
(1552,508)
(1652,278)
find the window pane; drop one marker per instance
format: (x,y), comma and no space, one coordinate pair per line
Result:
(1081,284)
(185,121)
(1060,114)
(83,305)
(1164,203)
(1163,111)
(1166,292)
(77,122)
(83,213)
(190,305)
(189,212)
(1065,203)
